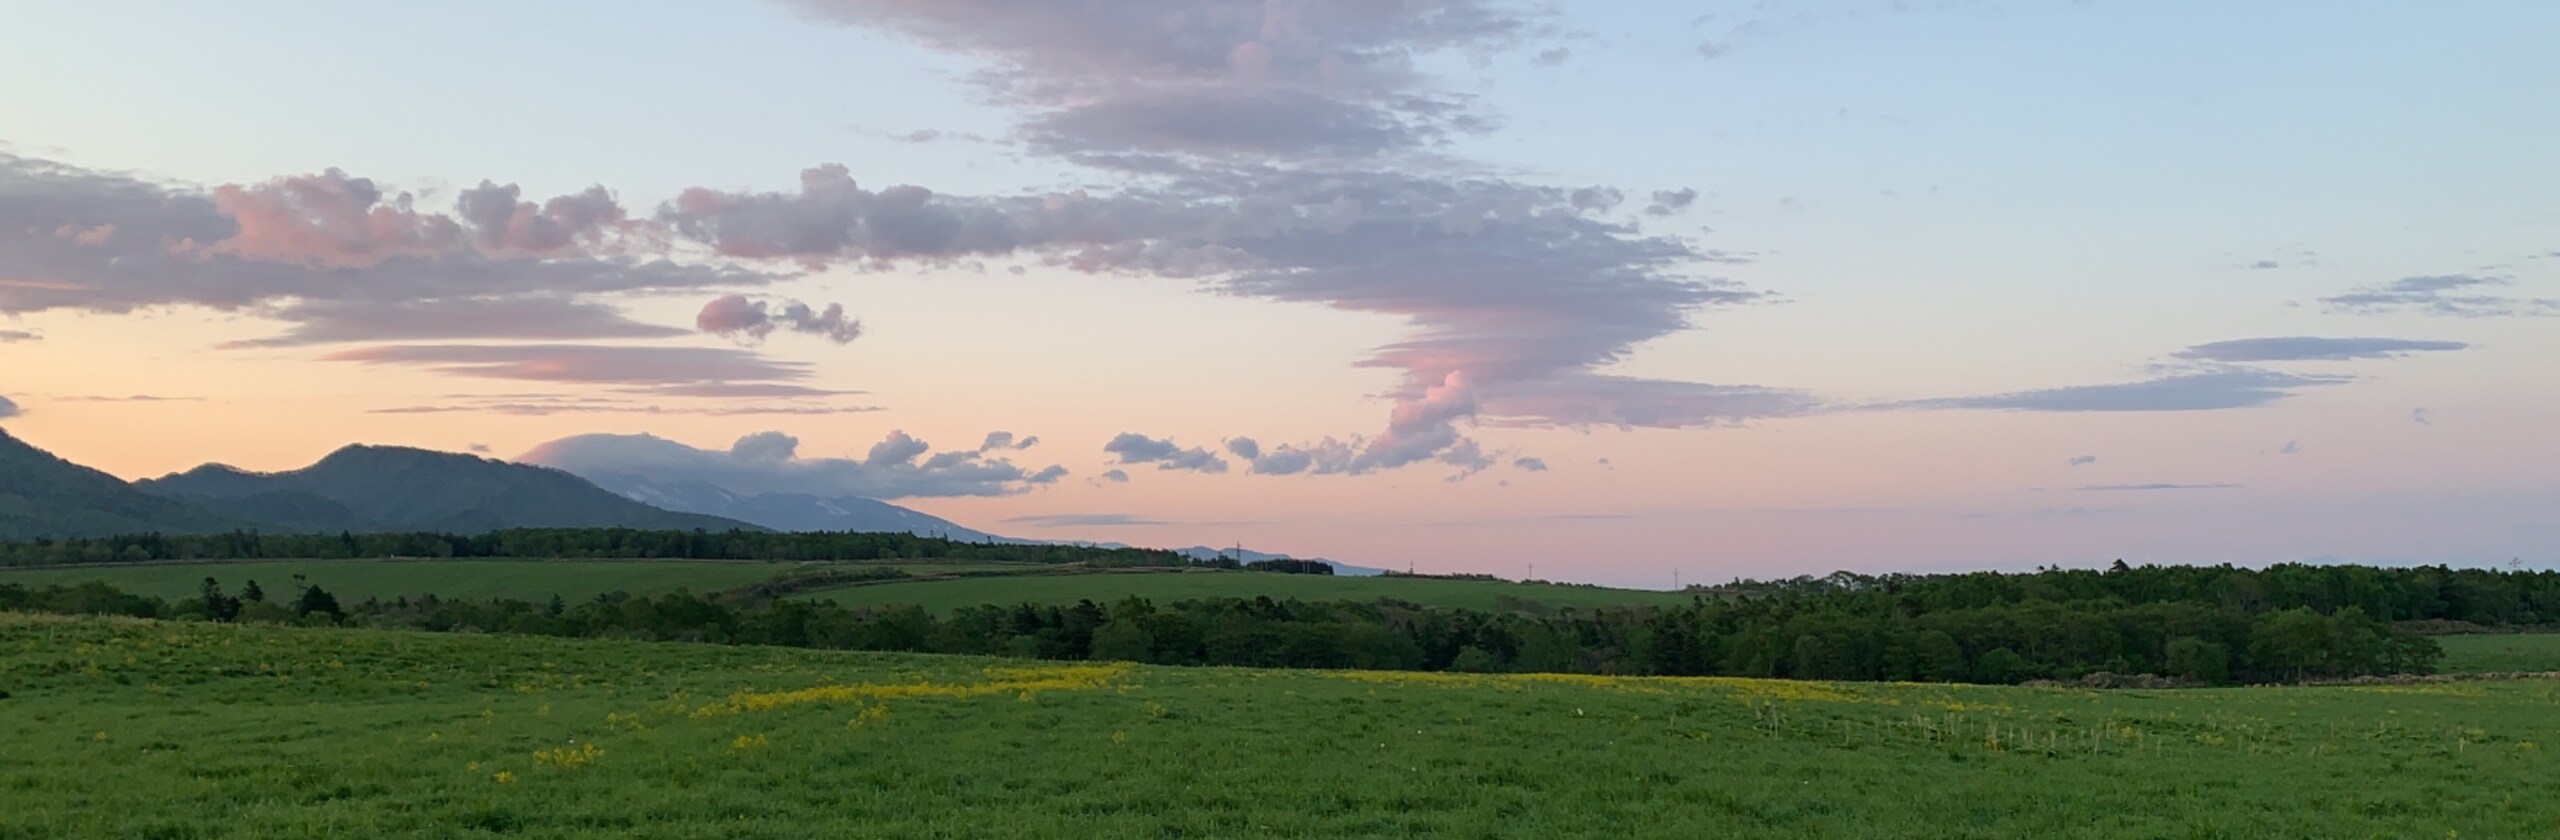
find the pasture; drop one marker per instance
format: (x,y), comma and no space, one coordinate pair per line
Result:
(1164,586)
(123,728)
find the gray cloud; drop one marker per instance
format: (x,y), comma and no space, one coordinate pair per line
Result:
(738,390)
(8,409)
(2422,417)
(2290,447)
(1133,448)
(1309,78)
(2306,348)
(1116,476)
(898,449)
(2456,295)
(1244,447)
(532,318)
(735,316)
(1084,520)
(1005,441)
(1530,464)
(502,222)
(1047,475)
(2148,488)
(14,336)
(319,246)
(770,462)
(2220,388)
(1670,202)
(2083,460)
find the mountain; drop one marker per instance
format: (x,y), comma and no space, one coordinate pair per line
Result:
(42,496)
(389,488)
(788,511)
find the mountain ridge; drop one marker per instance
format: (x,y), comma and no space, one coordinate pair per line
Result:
(377,488)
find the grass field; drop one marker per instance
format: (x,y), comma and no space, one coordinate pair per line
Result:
(2500,653)
(120,728)
(1105,588)
(355,580)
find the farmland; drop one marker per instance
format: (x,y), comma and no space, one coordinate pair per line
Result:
(123,728)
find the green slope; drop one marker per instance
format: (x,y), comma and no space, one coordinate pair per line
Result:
(141,729)
(42,496)
(1166,586)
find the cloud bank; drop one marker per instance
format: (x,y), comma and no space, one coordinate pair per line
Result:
(899,466)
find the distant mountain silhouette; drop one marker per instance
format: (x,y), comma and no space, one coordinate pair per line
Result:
(389,488)
(788,511)
(42,496)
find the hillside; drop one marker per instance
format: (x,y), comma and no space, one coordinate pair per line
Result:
(316,733)
(385,488)
(44,497)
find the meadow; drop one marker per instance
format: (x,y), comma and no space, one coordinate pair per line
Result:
(128,728)
(1166,586)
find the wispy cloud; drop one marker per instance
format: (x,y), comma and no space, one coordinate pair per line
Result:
(1085,520)
(2148,488)
(2454,295)
(2083,460)
(2306,348)
(2210,390)
(14,336)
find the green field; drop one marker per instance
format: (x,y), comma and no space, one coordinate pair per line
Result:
(120,728)
(355,580)
(2500,653)
(1167,586)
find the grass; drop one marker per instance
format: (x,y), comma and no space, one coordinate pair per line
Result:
(2500,653)
(355,580)
(119,728)
(1105,588)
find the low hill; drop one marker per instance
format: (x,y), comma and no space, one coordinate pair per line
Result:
(46,497)
(389,488)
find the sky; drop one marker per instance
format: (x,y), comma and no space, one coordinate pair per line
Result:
(1631,294)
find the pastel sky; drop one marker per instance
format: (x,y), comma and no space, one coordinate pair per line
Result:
(1622,291)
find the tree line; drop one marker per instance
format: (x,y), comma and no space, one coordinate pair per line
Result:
(1982,628)
(574,543)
